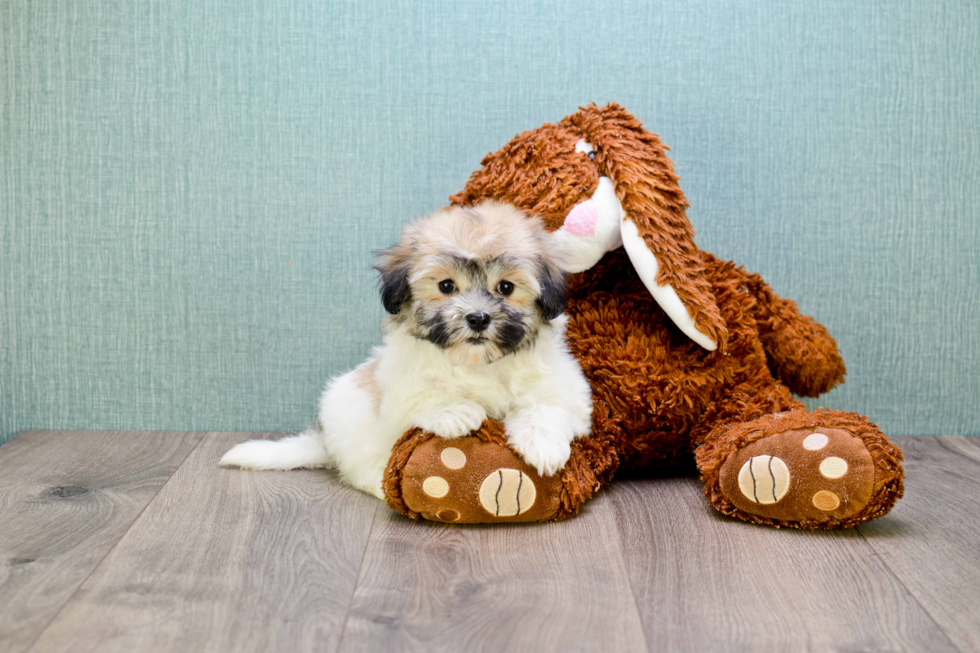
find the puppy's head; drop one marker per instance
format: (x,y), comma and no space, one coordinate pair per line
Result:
(479,282)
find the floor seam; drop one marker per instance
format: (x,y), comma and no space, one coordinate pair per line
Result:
(30,647)
(357,581)
(629,579)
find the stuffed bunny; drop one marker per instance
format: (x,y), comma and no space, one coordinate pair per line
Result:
(689,357)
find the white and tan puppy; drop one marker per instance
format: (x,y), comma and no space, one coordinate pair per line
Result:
(475,329)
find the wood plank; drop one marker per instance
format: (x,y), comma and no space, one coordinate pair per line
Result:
(229,560)
(434,587)
(706,582)
(225,560)
(933,543)
(66,498)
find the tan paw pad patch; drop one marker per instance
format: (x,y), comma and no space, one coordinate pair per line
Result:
(453,458)
(764,479)
(826,501)
(507,492)
(815,442)
(448,515)
(435,486)
(833,467)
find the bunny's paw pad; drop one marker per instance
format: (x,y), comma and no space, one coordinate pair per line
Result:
(819,474)
(469,481)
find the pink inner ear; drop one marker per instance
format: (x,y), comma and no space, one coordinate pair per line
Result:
(582,219)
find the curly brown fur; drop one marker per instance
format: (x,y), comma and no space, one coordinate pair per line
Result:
(400,453)
(800,351)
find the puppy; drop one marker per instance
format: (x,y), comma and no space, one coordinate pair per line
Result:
(474,330)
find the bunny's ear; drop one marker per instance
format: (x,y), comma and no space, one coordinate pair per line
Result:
(656,233)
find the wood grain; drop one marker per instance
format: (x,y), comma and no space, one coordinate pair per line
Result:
(549,586)
(932,544)
(219,559)
(705,582)
(66,498)
(225,560)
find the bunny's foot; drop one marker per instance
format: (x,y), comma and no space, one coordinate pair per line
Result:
(802,470)
(479,478)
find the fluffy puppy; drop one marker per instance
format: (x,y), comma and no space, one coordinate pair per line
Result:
(474,330)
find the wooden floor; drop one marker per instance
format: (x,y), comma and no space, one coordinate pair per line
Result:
(137,541)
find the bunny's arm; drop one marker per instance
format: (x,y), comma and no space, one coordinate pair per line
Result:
(800,351)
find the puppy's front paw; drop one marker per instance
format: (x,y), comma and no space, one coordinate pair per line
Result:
(546,456)
(453,421)
(543,438)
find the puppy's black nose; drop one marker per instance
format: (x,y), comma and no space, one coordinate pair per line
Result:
(478,321)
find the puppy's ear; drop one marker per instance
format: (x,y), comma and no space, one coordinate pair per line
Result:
(554,293)
(393,266)
(395,290)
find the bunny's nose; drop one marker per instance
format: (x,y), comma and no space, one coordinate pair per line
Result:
(582,219)
(478,321)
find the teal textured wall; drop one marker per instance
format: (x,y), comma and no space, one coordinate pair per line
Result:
(189,191)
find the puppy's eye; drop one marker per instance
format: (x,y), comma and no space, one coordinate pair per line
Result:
(447,287)
(591,155)
(505,288)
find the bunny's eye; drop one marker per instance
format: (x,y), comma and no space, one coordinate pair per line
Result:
(585,148)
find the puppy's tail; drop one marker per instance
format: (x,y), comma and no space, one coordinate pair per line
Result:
(293,452)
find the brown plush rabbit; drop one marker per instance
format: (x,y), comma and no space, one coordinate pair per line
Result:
(688,356)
